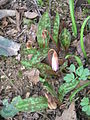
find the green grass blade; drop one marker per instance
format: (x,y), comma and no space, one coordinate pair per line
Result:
(74,27)
(77,90)
(81,36)
(88,1)
(77,59)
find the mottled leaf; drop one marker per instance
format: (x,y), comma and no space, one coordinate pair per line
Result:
(30,15)
(50,89)
(37,57)
(65,38)
(18,104)
(56,28)
(44,24)
(9,110)
(32,104)
(78,90)
(65,88)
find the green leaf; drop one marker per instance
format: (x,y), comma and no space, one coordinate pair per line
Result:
(65,88)
(85,108)
(81,36)
(42,79)
(82,73)
(50,89)
(45,70)
(74,27)
(86,72)
(88,1)
(9,110)
(44,24)
(88,110)
(38,56)
(84,101)
(69,77)
(65,38)
(79,71)
(32,104)
(18,104)
(15,100)
(35,51)
(56,28)
(40,2)
(72,68)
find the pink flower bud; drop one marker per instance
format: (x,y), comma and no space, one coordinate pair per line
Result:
(54,61)
(55,64)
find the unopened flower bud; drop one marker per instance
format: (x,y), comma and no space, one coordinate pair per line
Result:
(55,64)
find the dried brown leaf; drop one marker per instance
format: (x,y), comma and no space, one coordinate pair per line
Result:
(30,15)
(33,75)
(30,56)
(33,31)
(4,22)
(51,101)
(27,94)
(69,114)
(28,44)
(12,32)
(32,36)
(12,20)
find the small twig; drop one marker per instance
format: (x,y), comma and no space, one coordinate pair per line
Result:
(10,81)
(21,33)
(18,20)
(35,1)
